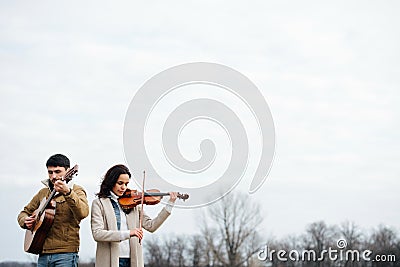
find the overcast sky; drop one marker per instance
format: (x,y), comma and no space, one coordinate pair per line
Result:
(330,74)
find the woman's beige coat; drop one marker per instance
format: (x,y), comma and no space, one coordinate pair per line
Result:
(104,231)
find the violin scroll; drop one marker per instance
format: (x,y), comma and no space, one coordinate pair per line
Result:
(183,196)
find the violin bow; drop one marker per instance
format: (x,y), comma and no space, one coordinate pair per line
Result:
(141,210)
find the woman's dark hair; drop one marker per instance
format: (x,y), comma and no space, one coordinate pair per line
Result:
(111,178)
(58,160)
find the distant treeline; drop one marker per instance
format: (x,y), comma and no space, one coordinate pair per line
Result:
(319,246)
(233,246)
(230,246)
(229,236)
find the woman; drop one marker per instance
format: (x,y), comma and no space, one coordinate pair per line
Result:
(118,234)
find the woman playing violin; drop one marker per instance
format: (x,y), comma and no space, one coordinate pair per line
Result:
(117,233)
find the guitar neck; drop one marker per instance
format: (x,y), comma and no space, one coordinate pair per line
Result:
(52,194)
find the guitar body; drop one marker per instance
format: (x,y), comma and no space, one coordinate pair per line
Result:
(35,237)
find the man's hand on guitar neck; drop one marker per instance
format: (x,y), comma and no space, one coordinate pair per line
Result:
(62,187)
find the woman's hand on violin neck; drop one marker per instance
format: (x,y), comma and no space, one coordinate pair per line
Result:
(173,196)
(137,232)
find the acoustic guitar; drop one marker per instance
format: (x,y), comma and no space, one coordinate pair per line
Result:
(44,218)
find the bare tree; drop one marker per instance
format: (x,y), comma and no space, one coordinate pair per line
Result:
(179,247)
(384,243)
(288,244)
(200,255)
(231,230)
(318,237)
(154,256)
(172,251)
(353,236)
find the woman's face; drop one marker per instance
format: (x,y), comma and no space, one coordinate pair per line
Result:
(121,185)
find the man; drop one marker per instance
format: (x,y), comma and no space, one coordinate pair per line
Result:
(61,245)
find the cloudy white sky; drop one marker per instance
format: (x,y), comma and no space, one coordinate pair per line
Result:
(329,72)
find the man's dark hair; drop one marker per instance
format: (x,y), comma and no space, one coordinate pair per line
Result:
(58,160)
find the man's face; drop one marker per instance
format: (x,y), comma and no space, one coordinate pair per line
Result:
(56,173)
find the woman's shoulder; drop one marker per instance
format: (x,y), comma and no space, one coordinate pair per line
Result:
(100,200)
(97,204)
(97,201)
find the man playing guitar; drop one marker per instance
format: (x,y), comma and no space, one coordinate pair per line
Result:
(53,230)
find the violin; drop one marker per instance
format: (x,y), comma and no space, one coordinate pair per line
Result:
(132,198)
